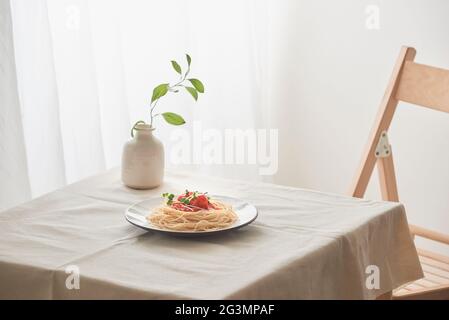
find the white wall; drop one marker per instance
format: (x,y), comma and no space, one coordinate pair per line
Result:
(330,89)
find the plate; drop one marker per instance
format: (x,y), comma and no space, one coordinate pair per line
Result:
(136,215)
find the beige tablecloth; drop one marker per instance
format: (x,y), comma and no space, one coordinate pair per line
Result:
(304,244)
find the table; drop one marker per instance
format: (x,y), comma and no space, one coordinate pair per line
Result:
(304,245)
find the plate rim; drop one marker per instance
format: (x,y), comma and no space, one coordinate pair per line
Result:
(192,233)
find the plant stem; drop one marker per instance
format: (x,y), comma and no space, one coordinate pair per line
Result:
(178,84)
(151,112)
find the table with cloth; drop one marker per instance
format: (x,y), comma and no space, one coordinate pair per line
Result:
(304,245)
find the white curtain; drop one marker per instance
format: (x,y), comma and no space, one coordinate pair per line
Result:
(86,70)
(14,182)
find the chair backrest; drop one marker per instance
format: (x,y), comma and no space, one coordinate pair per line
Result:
(424,85)
(410,82)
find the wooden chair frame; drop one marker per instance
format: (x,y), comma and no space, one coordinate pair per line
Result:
(420,85)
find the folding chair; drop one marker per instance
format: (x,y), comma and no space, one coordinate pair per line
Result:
(428,87)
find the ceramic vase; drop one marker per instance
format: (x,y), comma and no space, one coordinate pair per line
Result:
(143,159)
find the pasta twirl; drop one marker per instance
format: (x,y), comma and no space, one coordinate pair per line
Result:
(218,216)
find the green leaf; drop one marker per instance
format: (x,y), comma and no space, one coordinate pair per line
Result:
(197,84)
(193,92)
(189,60)
(176,66)
(160,91)
(173,118)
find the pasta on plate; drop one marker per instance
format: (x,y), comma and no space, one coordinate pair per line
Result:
(192,211)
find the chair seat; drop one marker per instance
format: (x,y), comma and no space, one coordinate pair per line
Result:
(434,285)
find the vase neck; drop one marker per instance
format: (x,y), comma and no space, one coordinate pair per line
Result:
(143,131)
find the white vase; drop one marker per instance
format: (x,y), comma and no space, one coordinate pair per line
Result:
(143,159)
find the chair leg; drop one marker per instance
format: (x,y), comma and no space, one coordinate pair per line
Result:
(387,178)
(382,123)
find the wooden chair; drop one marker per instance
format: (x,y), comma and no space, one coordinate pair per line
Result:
(428,87)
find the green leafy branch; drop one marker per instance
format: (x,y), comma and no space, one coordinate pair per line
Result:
(193,86)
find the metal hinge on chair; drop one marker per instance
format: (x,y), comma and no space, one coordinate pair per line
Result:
(383,148)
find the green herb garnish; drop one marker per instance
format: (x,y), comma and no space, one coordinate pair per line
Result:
(169,196)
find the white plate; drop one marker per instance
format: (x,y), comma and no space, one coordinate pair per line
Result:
(137,213)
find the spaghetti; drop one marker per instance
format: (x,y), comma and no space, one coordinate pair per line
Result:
(192,212)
